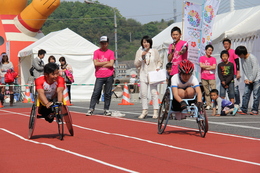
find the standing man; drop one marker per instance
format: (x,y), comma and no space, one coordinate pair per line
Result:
(38,64)
(233,58)
(251,71)
(103,60)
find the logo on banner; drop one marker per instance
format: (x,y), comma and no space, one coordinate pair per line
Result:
(194,18)
(208,13)
(194,34)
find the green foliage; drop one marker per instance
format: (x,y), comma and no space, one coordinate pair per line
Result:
(94,20)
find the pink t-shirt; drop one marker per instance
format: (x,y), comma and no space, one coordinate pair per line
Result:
(176,57)
(101,56)
(232,57)
(208,74)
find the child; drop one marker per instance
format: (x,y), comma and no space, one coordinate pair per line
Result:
(168,74)
(226,76)
(224,106)
(251,70)
(208,66)
(184,85)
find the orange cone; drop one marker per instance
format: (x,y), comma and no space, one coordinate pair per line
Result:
(126,96)
(159,102)
(66,100)
(27,98)
(1,106)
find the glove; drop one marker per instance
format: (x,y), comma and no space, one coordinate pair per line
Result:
(200,106)
(183,105)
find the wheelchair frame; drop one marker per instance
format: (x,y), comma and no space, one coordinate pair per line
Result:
(60,115)
(165,113)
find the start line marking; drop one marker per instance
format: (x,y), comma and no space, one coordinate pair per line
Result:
(130,137)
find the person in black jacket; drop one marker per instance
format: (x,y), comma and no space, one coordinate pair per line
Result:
(226,76)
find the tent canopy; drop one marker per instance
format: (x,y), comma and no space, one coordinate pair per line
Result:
(77,51)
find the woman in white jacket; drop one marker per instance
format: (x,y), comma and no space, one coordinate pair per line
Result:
(148,59)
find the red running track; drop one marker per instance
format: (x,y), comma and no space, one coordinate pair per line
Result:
(107,144)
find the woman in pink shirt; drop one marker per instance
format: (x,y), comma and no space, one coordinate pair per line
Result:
(177,51)
(208,66)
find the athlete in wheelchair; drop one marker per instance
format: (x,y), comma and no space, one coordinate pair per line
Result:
(49,100)
(182,99)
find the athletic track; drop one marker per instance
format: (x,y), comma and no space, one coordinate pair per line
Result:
(108,144)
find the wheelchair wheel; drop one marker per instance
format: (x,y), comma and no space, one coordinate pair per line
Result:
(163,116)
(59,120)
(32,121)
(203,123)
(67,117)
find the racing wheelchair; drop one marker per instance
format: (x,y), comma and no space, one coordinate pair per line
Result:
(61,114)
(166,112)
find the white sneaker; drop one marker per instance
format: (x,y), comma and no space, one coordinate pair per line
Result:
(207,108)
(107,113)
(89,113)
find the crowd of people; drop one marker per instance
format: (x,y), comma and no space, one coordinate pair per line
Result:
(179,76)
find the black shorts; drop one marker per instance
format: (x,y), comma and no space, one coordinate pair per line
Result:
(176,106)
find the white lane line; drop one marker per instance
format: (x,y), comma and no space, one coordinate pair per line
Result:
(147,122)
(171,146)
(161,144)
(70,152)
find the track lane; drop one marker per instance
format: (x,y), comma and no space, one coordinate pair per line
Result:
(139,152)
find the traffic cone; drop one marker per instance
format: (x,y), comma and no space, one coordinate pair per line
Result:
(66,100)
(159,102)
(126,96)
(27,98)
(1,105)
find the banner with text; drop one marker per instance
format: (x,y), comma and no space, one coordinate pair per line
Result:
(210,10)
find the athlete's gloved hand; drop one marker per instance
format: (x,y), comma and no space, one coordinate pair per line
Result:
(183,105)
(200,106)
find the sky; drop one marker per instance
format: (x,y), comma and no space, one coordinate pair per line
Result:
(146,11)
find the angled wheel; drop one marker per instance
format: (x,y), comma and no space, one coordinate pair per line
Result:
(67,118)
(32,120)
(163,116)
(203,123)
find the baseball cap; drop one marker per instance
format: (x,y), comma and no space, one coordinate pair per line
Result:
(104,39)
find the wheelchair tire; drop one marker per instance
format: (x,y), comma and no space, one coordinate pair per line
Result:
(60,122)
(163,116)
(67,117)
(203,124)
(32,121)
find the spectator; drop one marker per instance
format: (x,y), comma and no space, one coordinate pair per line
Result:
(168,73)
(38,64)
(226,76)
(177,51)
(208,66)
(224,106)
(251,70)
(233,58)
(63,67)
(148,59)
(7,65)
(51,59)
(103,60)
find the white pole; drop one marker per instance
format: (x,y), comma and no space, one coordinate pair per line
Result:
(232,5)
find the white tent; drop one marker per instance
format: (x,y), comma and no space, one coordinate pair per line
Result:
(242,27)
(77,51)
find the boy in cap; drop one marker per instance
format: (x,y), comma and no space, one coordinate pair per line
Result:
(103,60)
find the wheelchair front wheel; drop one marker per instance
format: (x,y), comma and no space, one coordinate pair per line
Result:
(60,122)
(163,116)
(32,120)
(203,123)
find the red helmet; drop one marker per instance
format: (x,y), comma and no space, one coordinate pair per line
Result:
(186,67)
